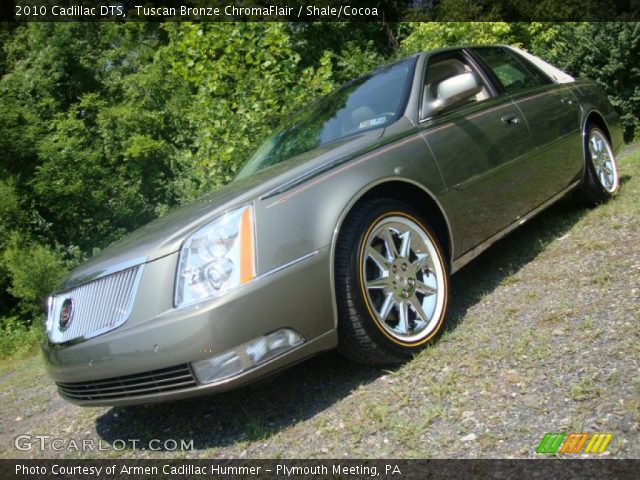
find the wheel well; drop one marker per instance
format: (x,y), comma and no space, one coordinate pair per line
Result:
(419,199)
(594,118)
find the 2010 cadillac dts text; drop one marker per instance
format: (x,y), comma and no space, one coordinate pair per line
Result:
(341,230)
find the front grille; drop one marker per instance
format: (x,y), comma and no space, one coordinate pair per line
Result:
(156,381)
(96,307)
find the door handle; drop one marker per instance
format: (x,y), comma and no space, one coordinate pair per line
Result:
(510,119)
(567,101)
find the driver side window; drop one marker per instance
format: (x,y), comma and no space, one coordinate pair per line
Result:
(443,67)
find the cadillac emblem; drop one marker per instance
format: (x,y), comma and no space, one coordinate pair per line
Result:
(66,314)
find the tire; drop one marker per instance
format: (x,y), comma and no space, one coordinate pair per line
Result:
(392,300)
(601,180)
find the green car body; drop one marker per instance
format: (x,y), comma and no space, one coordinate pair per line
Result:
(474,171)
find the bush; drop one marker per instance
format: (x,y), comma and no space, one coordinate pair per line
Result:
(34,271)
(17,339)
(427,36)
(245,78)
(608,53)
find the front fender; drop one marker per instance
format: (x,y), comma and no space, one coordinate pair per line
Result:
(308,217)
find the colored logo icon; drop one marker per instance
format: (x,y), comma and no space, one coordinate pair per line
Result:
(573,443)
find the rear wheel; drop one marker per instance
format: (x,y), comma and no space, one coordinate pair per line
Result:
(392,283)
(601,180)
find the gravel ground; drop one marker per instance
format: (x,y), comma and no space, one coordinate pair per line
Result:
(543,337)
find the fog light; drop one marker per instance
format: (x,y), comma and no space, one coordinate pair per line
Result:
(246,356)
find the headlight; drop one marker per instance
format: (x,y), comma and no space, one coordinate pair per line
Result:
(216,258)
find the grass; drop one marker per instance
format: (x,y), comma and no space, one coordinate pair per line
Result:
(585,389)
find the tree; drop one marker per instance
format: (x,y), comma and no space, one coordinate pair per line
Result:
(608,53)
(245,77)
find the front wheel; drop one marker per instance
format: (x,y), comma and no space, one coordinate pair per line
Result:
(601,180)
(392,283)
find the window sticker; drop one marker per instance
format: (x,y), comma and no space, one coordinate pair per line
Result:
(373,122)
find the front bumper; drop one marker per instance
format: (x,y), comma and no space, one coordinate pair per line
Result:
(157,336)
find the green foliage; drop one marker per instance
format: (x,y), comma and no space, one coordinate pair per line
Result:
(608,53)
(10,218)
(10,213)
(245,77)
(355,60)
(107,126)
(353,48)
(427,36)
(35,271)
(18,339)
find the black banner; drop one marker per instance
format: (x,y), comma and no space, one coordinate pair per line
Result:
(317,469)
(319,10)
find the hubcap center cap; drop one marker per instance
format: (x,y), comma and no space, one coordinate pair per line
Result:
(403,277)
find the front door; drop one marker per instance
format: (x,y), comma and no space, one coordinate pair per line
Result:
(481,148)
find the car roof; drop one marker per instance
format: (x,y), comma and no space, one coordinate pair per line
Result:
(459,47)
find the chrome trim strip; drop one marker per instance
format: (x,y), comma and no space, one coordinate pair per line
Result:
(392,144)
(134,262)
(366,153)
(477,250)
(287,265)
(303,177)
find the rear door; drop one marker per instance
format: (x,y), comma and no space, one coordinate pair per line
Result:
(481,147)
(552,114)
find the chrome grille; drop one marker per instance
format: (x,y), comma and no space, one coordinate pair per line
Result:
(156,381)
(97,307)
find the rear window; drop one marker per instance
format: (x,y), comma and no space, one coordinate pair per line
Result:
(510,71)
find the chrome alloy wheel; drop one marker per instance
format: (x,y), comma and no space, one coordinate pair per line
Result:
(403,279)
(603,160)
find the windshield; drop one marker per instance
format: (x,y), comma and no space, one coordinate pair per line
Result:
(369,102)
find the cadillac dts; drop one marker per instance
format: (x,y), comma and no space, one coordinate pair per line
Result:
(340,231)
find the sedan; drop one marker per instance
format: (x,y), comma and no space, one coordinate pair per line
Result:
(342,230)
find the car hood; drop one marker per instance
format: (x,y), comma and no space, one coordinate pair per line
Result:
(165,235)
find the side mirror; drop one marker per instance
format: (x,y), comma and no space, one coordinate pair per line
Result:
(454,90)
